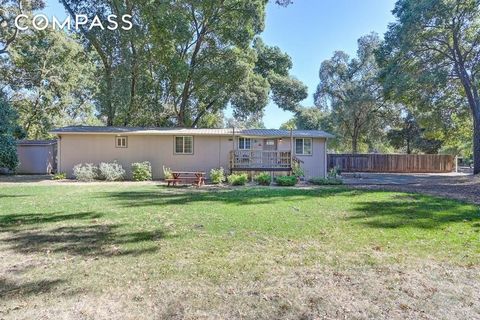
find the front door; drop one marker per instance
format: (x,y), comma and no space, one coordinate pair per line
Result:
(269,158)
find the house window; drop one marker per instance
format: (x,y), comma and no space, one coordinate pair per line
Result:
(184,145)
(244,143)
(303,146)
(121,142)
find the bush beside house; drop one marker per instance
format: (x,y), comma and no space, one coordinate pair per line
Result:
(141,171)
(217,176)
(85,172)
(286,181)
(263,179)
(111,171)
(237,179)
(59,176)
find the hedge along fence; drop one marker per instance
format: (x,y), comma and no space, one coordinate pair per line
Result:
(399,163)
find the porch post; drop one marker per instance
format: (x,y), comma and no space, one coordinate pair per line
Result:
(291,148)
(59,154)
(232,154)
(326,159)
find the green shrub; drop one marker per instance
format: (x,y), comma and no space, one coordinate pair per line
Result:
(334,172)
(9,130)
(111,171)
(237,179)
(263,179)
(85,172)
(286,181)
(8,152)
(59,176)
(297,170)
(326,181)
(217,176)
(167,173)
(141,171)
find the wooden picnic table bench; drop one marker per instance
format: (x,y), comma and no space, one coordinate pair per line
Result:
(197,178)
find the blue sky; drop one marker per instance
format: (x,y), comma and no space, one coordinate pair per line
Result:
(310,31)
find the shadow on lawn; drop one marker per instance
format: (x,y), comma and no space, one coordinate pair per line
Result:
(417,211)
(10,289)
(13,196)
(31,233)
(87,240)
(240,196)
(11,222)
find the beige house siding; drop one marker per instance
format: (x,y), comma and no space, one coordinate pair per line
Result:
(315,164)
(208,152)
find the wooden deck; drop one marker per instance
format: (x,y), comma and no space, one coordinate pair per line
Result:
(257,160)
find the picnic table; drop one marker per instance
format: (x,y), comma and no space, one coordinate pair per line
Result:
(197,178)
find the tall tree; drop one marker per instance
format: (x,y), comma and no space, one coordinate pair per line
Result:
(208,59)
(274,65)
(183,60)
(350,92)
(432,50)
(9,10)
(312,119)
(254,121)
(9,131)
(49,78)
(410,137)
(117,53)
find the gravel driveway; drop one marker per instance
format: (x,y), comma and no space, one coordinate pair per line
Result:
(461,186)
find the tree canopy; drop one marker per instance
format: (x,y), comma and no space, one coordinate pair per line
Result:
(9,10)
(349,91)
(9,131)
(410,137)
(184,61)
(49,78)
(431,57)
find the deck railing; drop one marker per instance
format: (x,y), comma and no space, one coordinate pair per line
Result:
(260,160)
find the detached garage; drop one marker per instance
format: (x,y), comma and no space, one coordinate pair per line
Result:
(36,157)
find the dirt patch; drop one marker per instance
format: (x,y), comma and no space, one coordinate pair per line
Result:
(459,187)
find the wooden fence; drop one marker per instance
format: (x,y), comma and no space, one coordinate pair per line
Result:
(401,163)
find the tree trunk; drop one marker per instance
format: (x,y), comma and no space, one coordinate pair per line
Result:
(354,145)
(476,145)
(182,121)
(133,86)
(108,103)
(468,81)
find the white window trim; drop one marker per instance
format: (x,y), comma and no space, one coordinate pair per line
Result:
(244,140)
(183,145)
(303,147)
(117,138)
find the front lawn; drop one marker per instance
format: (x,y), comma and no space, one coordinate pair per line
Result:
(144,251)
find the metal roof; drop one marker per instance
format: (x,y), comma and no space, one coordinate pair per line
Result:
(35,142)
(190,131)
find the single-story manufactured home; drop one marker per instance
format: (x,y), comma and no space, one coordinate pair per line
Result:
(194,149)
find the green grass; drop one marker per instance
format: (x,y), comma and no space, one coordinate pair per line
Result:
(98,238)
